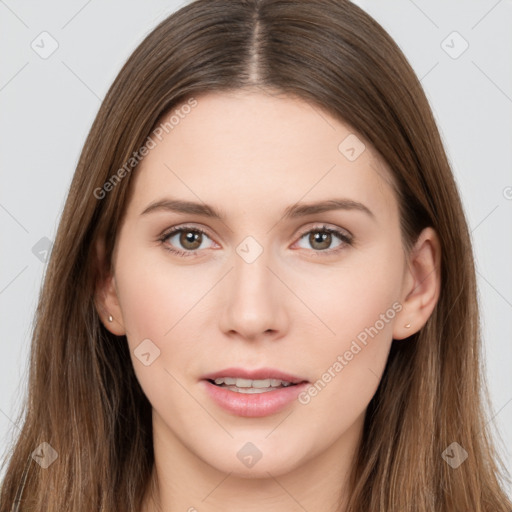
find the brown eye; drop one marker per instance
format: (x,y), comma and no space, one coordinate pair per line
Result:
(321,239)
(184,241)
(190,239)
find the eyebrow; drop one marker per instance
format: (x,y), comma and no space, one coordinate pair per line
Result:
(291,212)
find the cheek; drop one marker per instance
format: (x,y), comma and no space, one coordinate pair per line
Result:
(154,306)
(360,308)
(159,302)
(155,295)
(353,297)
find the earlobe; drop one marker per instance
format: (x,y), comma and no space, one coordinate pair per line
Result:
(422,285)
(109,308)
(106,299)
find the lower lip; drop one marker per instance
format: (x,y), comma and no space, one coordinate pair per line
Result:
(254,405)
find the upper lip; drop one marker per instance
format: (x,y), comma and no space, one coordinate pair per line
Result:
(256,374)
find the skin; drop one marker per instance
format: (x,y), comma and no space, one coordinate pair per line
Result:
(252,154)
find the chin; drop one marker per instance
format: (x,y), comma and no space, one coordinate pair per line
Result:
(256,459)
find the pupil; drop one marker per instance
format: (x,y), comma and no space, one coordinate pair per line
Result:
(189,238)
(323,238)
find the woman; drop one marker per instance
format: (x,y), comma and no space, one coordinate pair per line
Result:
(262,290)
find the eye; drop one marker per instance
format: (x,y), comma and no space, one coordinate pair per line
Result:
(321,239)
(189,238)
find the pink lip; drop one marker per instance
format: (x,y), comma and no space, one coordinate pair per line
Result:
(255,404)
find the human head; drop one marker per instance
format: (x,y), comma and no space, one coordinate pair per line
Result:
(227,46)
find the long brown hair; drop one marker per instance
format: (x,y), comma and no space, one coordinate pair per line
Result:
(84,399)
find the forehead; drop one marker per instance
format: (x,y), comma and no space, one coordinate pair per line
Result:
(252,150)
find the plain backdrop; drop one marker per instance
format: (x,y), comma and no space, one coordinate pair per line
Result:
(60,57)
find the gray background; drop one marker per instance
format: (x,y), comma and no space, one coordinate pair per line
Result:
(48,104)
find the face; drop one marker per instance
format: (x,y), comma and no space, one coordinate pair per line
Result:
(302,299)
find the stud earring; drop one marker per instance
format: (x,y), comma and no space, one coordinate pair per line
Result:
(110,318)
(407,326)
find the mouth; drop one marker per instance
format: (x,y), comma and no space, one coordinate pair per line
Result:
(253,393)
(239,385)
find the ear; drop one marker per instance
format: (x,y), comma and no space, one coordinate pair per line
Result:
(422,284)
(106,296)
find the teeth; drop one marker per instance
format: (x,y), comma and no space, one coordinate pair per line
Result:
(226,380)
(248,390)
(255,384)
(243,383)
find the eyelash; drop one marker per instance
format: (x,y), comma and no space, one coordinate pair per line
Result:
(346,239)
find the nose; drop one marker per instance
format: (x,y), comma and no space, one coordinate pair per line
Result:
(254,306)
